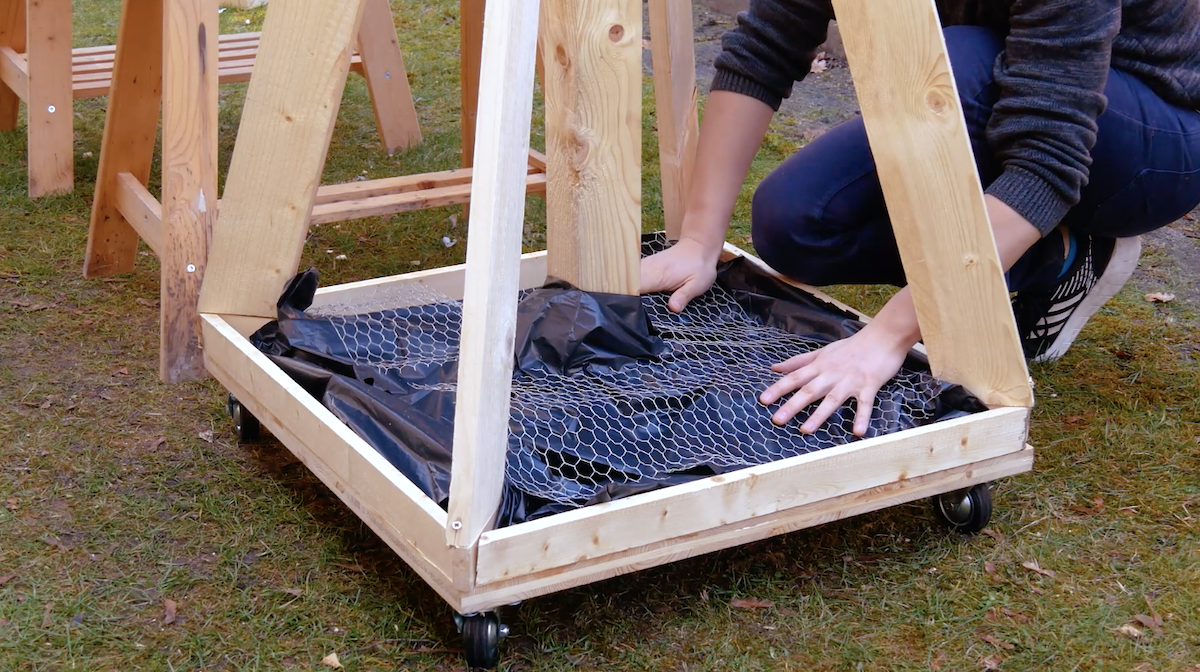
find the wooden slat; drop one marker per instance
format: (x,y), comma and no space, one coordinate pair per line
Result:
(387,80)
(12,36)
(923,155)
(130,127)
(594,142)
(674,59)
(14,73)
(287,123)
(490,596)
(493,270)
(189,205)
(350,191)
(50,106)
(612,527)
(143,212)
(403,516)
(390,204)
(470,46)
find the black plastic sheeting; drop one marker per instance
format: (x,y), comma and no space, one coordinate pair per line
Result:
(407,412)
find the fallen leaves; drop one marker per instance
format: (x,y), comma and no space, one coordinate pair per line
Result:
(1033,566)
(169,611)
(46,620)
(6,579)
(1098,503)
(996,641)
(750,603)
(57,543)
(1148,622)
(331,661)
(819,64)
(149,303)
(206,436)
(990,568)
(996,536)
(1159,297)
(991,662)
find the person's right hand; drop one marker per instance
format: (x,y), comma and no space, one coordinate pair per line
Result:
(687,269)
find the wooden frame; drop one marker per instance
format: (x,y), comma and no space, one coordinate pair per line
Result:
(477,568)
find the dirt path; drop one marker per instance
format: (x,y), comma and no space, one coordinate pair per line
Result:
(1171,256)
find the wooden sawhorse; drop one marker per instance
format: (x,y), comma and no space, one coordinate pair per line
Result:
(38,66)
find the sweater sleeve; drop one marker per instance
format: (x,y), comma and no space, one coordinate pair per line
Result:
(1051,78)
(771,48)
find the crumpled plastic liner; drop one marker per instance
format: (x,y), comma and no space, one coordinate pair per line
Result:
(569,340)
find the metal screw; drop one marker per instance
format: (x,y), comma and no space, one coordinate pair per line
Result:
(387,75)
(191,268)
(50,109)
(503,631)
(456,525)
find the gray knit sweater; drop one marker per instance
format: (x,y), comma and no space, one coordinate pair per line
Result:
(1051,76)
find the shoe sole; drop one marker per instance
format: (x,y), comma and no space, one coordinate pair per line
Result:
(1120,267)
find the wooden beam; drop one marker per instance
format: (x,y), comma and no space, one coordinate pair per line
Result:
(407,201)
(14,73)
(143,212)
(674,57)
(387,80)
(287,123)
(612,527)
(49,103)
(470,49)
(493,270)
(12,36)
(594,142)
(189,205)
(923,155)
(489,596)
(403,516)
(130,127)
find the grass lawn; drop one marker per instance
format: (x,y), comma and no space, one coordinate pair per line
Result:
(125,499)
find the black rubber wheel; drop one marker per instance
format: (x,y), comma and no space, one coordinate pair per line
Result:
(965,511)
(481,640)
(247,426)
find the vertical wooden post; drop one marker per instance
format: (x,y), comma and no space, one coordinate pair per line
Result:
(594,142)
(493,271)
(674,58)
(51,100)
(470,48)
(387,80)
(130,127)
(189,207)
(12,35)
(287,123)
(923,155)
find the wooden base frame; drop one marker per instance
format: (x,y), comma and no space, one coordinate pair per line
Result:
(618,537)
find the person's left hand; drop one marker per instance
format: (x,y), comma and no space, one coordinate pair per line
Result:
(856,367)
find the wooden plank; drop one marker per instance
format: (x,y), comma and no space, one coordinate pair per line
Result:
(493,269)
(130,127)
(189,203)
(613,527)
(14,73)
(143,212)
(594,142)
(50,105)
(923,155)
(390,204)
(287,123)
(387,80)
(492,595)
(470,49)
(404,517)
(12,36)
(674,59)
(448,282)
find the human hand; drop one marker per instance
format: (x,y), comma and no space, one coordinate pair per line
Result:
(687,269)
(856,367)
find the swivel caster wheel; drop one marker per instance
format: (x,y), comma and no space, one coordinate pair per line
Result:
(966,511)
(247,426)
(481,639)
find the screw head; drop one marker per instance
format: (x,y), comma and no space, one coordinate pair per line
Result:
(51,109)
(387,75)
(191,268)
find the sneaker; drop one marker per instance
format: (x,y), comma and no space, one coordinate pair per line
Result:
(1049,320)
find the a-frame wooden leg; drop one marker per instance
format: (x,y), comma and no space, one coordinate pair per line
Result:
(470,25)
(50,104)
(12,35)
(130,126)
(383,68)
(674,58)
(594,143)
(189,203)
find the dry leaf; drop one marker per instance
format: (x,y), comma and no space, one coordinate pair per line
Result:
(331,660)
(158,443)
(123,371)
(1149,623)
(1090,510)
(1153,612)
(293,591)
(938,660)
(1016,616)
(206,436)
(991,663)
(750,603)
(990,568)
(453,221)
(996,536)
(46,620)
(1159,297)
(169,612)
(818,66)
(1129,631)
(1035,589)
(6,579)
(57,543)
(149,303)
(1032,565)
(996,642)
(1070,420)
(353,568)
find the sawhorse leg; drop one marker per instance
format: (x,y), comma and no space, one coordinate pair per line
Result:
(12,35)
(50,104)
(387,80)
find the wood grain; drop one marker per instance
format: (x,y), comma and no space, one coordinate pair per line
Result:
(50,104)
(12,36)
(674,57)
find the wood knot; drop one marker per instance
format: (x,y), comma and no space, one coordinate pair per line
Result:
(970,260)
(616,33)
(937,102)
(560,55)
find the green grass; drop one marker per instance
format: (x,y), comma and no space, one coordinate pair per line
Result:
(119,493)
